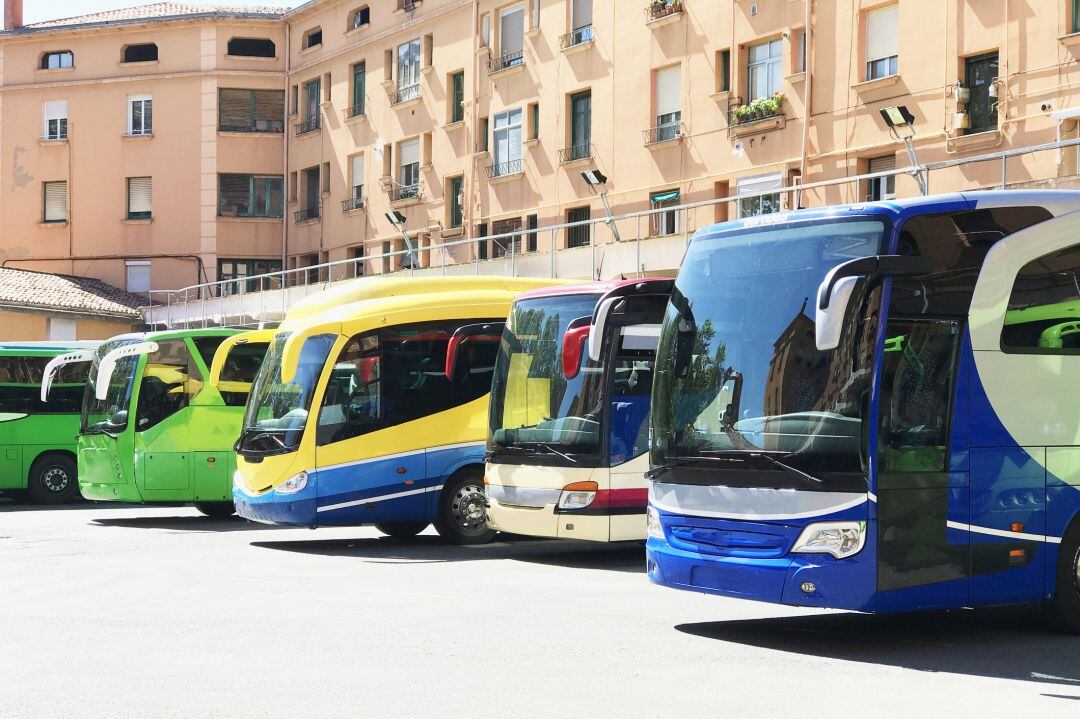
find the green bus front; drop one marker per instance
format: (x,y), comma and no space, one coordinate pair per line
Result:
(37,438)
(158,431)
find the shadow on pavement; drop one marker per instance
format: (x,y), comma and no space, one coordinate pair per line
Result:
(999,643)
(183,523)
(619,557)
(25,505)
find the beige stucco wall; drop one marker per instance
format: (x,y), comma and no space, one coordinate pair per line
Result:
(34,327)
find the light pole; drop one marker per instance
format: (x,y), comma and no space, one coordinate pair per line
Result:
(898,117)
(397,219)
(597,181)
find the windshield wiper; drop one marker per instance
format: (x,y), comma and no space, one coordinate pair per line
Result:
(251,434)
(684,462)
(529,448)
(552,449)
(769,456)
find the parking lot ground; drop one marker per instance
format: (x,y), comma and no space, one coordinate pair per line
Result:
(159,612)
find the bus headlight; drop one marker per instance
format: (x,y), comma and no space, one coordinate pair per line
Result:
(656,531)
(237,480)
(292,485)
(578,495)
(840,539)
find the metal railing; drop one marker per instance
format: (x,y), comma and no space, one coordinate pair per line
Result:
(306,215)
(502,169)
(505,62)
(354,111)
(741,113)
(636,227)
(351,204)
(409,5)
(400,193)
(578,36)
(309,125)
(660,9)
(574,153)
(663,133)
(404,94)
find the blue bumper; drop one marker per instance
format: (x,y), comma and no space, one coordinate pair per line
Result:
(272,508)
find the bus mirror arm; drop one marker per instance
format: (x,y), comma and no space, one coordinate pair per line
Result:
(490,330)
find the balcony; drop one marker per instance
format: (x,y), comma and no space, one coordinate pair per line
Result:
(353,204)
(507,62)
(506,169)
(575,153)
(664,133)
(662,12)
(405,95)
(307,126)
(578,39)
(351,113)
(762,114)
(310,214)
(408,5)
(405,193)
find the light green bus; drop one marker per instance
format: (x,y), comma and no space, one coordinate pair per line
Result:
(37,436)
(155,429)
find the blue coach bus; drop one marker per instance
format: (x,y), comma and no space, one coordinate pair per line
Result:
(875,407)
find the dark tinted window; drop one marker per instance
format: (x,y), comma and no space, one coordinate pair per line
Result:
(169,381)
(396,375)
(251,47)
(20,386)
(239,372)
(146,52)
(1044,308)
(206,347)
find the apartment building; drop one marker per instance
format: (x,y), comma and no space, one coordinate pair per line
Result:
(444,121)
(143,147)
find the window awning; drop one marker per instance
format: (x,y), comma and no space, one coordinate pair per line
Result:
(666,196)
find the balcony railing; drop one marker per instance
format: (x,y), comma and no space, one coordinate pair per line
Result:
(404,94)
(665,132)
(306,215)
(503,169)
(505,62)
(409,5)
(354,111)
(759,110)
(399,193)
(579,36)
(660,9)
(574,153)
(351,204)
(309,125)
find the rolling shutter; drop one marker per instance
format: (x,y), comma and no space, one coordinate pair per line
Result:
(269,110)
(410,153)
(512,30)
(234,195)
(234,110)
(582,14)
(669,90)
(139,195)
(56,197)
(357,170)
(881,34)
(882,164)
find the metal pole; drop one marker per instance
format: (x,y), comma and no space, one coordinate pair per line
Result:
(551,248)
(513,258)
(1004,170)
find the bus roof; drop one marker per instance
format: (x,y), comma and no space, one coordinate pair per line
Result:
(600,287)
(45,349)
(158,335)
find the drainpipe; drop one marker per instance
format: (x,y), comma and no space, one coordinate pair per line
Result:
(285,156)
(475,126)
(808,44)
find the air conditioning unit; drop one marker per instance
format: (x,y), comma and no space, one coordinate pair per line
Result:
(961,121)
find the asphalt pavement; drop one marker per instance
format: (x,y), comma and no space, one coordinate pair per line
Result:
(111,611)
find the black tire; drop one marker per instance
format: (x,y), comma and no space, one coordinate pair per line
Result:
(402,530)
(1066,603)
(53,479)
(462,518)
(217,510)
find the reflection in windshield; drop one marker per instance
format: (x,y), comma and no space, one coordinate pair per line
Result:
(277,412)
(109,415)
(741,377)
(532,403)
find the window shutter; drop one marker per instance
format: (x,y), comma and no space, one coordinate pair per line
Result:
(269,110)
(56,110)
(357,170)
(582,16)
(512,31)
(669,90)
(139,195)
(759,183)
(234,110)
(882,164)
(55,201)
(410,153)
(881,33)
(234,195)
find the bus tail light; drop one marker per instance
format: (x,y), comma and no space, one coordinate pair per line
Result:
(840,539)
(578,495)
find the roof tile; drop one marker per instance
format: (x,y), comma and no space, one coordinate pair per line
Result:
(45,291)
(157,10)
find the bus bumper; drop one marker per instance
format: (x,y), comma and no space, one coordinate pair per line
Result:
(101,492)
(272,508)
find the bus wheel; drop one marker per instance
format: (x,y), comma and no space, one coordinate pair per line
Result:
(53,479)
(462,517)
(1066,603)
(217,510)
(402,530)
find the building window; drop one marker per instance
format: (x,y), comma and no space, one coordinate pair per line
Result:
(233,269)
(140,115)
(765,69)
(138,275)
(145,52)
(140,194)
(251,110)
(534,121)
(360,17)
(457,97)
(313,38)
(56,120)
(1074,20)
(580,126)
(504,246)
(1048,290)
(409,170)
(980,73)
(311,194)
(408,70)
(668,103)
(482,245)
(511,35)
(251,47)
(57,60)
(312,98)
(763,204)
(356,181)
(456,201)
(578,236)
(664,223)
(882,42)
(359,90)
(507,143)
(54,201)
(723,71)
(532,222)
(799,48)
(881,188)
(250,195)
(62,330)
(482,140)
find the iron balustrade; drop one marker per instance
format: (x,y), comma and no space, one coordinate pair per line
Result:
(354,111)
(404,94)
(578,36)
(502,169)
(306,215)
(398,193)
(505,62)
(408,5)
(575,152)
(353,203)
(660,9)
(664,133)
(309,125)
(742,113)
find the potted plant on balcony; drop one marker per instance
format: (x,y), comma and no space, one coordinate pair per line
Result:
(759,109)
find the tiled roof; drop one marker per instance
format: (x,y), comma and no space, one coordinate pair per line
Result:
(158,10)
(45,291)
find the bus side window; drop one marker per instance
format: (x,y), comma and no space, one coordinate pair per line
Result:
(239,372)
(630,394)
(1044,309)
(169,380)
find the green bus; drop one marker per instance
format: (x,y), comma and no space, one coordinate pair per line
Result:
(37,436)
(155,428)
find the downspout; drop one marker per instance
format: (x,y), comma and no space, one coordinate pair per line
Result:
(808,54)
(70,203)
(285,154)
(467,220)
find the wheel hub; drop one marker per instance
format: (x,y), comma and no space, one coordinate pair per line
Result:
(55,479)
(469,507)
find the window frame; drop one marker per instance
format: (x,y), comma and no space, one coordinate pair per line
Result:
(772,66)
(354,22)
(45,204)
(61,55)
(455,203)
(124,52)
(146,128)
(1015,349)
(255,179)
(308,42)
(878,68)
(140,214)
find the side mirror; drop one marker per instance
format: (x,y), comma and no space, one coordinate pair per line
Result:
(574,346)
(489,331)
(120,418)
(835,291)
(108,364)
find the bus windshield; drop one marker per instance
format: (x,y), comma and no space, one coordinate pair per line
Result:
(109,415)
(742,389)
(533,405)
(277,412)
